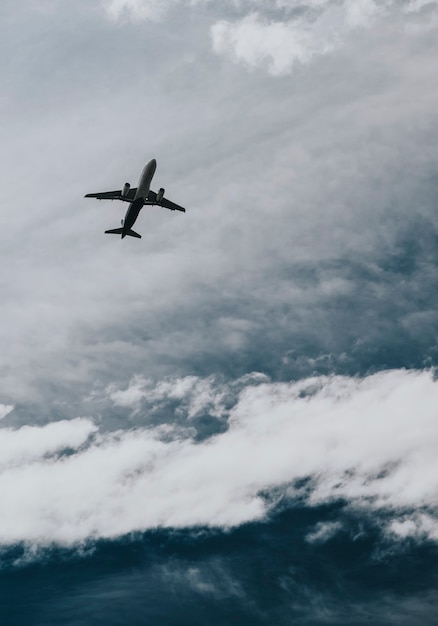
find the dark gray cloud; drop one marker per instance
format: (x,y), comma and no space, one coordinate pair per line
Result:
(310,241)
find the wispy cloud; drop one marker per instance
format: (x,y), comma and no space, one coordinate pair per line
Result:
(323,531)
(371,441)
(5,409)
(194,395)
(137,10)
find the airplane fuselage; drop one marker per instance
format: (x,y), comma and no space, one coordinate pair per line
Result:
(144,185)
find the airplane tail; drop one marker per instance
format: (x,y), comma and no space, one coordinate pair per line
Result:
(115,231)
(132,233)
(119,231)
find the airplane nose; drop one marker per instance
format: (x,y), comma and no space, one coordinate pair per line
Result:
(153,163)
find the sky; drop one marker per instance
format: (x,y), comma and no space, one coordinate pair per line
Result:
(234,419)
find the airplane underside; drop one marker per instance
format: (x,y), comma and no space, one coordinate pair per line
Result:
(137,198)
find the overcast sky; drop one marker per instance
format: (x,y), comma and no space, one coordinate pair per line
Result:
(269,353)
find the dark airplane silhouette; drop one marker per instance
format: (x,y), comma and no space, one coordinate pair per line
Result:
(137,198)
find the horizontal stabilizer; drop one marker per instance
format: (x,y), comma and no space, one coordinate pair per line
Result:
(132,233)
(120,231)
(115,231)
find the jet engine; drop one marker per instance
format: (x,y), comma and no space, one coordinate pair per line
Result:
(126,188)
(160,195)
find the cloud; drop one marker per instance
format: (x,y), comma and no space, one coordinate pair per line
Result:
(323,531)
(325,263)
(136,10)
(279,43)
(210,578)
(254,39)
(194,395)
(5,409)
(309,246)
(29,443)
(418,526)
(414,6)
(280,34)
(256,42)
(369,441)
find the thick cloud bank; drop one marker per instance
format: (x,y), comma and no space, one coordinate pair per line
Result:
(369,441)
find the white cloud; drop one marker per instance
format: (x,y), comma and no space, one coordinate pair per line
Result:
(323,531)
(361,12)
(279,34)
(136,10)
(270,34)
(130,397)
(418,526)
(5,409)
(371,441)
(279,43)
(30,443)
(195,395)
(254,41)
(415,6)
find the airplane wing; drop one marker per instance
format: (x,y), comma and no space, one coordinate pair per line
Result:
(164,202)
(113,195)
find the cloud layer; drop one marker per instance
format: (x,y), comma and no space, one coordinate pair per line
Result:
(277,35)
(310,247)
(309,244)
(369,441)
(278,43)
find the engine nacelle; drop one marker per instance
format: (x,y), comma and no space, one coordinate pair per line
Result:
(126,188)
(160,195)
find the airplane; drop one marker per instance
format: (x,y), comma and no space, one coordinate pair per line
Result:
(137,198)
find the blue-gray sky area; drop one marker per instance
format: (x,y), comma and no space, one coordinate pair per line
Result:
(234,419)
